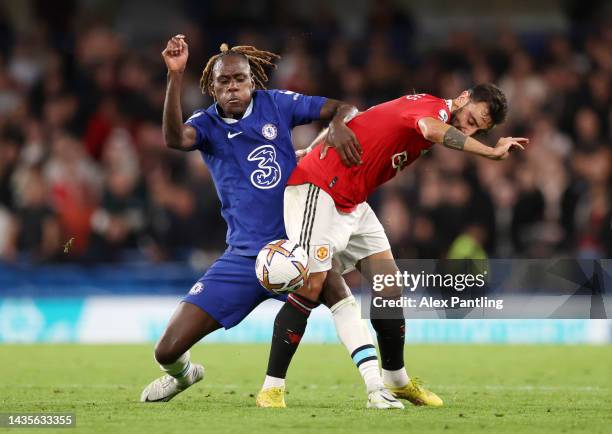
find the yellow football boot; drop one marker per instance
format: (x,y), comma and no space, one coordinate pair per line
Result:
(273,397)
(416,394)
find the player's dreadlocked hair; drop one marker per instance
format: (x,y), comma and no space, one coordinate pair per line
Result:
(257,59)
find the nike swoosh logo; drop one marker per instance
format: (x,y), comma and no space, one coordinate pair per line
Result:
(232,135)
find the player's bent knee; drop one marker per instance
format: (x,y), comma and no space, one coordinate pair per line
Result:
(165,352)
(335,289)
(314,285)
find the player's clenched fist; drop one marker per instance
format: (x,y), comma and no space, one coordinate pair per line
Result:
(176,53)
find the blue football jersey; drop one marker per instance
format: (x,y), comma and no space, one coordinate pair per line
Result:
(250,160)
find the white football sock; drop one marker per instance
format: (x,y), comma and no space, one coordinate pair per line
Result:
(398,378)
(357,339)
(273,382)
(179,369)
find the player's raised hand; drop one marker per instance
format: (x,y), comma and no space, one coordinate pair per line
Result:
(176,53)
(506,145)
(344,140)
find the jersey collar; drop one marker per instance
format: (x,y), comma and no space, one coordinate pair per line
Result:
(449,104)
(247,112)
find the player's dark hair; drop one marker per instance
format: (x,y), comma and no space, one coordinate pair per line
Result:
(257,59)
(494,98)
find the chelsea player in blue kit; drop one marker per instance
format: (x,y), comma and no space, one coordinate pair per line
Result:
(245,140)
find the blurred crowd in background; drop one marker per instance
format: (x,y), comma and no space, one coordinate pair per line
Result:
(82,155)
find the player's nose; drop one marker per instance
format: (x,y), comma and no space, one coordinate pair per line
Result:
(468,131)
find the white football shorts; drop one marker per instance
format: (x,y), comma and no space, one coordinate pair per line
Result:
(313,221)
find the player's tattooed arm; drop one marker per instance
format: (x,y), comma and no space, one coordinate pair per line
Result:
(437,131)
(340,136)
(176,134)
(454,139)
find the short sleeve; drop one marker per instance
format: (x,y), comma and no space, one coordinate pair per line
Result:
(299,109)
(199,121)
(424,106)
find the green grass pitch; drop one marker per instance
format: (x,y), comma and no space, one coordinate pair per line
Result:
(485,388)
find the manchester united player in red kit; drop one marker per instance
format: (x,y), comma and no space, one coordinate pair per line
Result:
(327,213)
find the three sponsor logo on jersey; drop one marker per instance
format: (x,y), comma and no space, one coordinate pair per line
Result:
(268,172)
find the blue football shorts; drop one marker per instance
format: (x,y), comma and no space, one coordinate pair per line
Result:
(229,290)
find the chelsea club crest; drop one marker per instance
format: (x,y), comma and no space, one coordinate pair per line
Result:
(269,131)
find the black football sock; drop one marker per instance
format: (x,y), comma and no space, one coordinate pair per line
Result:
(289,327)
(391,334)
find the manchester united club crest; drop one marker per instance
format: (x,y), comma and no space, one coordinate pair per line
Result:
(321,253)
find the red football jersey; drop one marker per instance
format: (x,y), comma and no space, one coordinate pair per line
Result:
(390,138)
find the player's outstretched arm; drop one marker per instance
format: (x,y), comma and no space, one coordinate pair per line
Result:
(449,136)
(176,134)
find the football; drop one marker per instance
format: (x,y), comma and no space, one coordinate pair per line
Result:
(282,266)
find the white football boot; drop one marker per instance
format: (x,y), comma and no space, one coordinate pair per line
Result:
(167,387)
(383,399)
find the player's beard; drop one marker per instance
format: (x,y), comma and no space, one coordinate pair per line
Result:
(453,118)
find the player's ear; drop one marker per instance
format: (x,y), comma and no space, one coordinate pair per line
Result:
(252,82)
(464,98)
